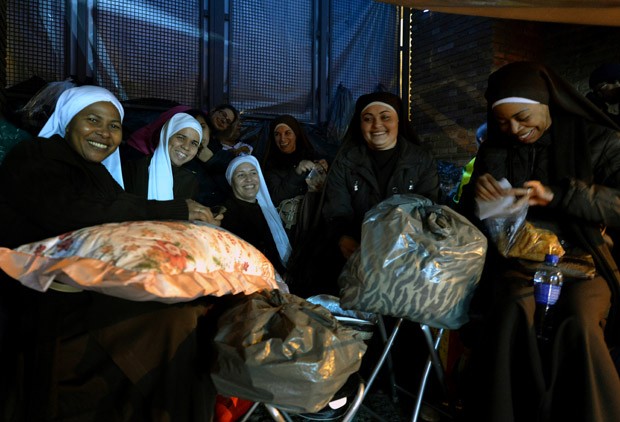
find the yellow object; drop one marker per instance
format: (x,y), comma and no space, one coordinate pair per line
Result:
(465,178)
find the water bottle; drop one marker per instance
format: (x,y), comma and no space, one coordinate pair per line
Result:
(547,286)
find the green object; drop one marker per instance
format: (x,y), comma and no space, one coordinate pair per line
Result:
(465,178)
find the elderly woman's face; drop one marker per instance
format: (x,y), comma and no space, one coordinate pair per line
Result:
(222,119)
(285,138)
(183,146)
(245,182)
(96,131)
(525,123)
(379,127)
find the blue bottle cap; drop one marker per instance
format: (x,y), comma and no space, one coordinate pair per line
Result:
(552,259)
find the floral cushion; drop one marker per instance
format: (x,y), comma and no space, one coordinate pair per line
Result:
(170,261)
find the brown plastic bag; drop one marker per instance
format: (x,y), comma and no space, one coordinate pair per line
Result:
(280,349)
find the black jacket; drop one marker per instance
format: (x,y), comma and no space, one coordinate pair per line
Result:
(583,170)
(47,189)
(136,179)
(352,187)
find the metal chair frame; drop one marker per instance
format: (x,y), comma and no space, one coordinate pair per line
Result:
(433,361)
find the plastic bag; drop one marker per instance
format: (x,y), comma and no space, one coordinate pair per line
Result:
(514,237)
(280,349)
(417,260)
(503,228)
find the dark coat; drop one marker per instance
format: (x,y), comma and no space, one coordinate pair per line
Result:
(585,180)
(247,221)
(580,162)
(89,356)
(47,189)
(352,187)
(284,183)
(136,179)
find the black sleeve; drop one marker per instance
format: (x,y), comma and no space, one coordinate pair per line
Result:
(284,184)
(51,187)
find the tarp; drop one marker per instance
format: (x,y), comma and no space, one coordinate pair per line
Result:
(585,12)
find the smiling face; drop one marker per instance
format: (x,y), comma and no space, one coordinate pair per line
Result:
(183,146)
(525,123)
(285,138)
(95,132)
(379,127)
(222,119)
(245,182)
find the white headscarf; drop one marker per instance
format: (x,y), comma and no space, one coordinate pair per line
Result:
(266,205)
(70,103)
(160,169)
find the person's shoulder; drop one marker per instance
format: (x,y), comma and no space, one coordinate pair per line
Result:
(351,154)
(51,148)
(412,149)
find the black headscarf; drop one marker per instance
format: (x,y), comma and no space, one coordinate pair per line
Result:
(539,83)
(274,158)
(567,107)
(571,153)
(354,133)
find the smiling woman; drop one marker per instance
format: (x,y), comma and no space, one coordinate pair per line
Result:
(382,157)
(90,356)
(250,214)
(162,176)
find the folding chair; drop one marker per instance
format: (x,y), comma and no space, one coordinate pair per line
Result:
(433,361)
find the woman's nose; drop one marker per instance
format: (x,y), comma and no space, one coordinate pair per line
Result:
(103,132)
(515,126)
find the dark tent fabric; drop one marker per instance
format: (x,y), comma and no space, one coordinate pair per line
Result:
(585,12)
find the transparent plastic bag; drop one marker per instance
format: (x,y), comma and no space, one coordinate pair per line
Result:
(514,237)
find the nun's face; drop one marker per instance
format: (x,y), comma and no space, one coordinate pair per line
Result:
(245,182)
(285,138)
(183,146)
(525,123)
(379,127)
(95,132)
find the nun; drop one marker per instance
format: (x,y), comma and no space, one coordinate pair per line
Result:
(561,154)
(70,354)
(251,215)
(162,176)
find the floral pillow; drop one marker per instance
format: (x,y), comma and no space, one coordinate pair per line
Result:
(169,261)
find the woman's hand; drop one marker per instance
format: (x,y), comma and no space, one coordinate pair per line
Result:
(304,166)
(347,246)
(539,194)
(323,163)
(489,189)
(202,213)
